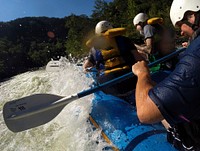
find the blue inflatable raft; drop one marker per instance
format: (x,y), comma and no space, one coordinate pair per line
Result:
(119,122)
(121,127)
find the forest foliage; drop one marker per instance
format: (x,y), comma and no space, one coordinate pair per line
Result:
(30,42)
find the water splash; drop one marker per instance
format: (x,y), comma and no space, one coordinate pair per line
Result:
(70,130)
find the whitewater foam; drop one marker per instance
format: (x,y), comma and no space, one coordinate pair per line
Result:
(70,130)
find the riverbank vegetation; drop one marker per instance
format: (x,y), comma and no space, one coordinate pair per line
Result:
(31,42)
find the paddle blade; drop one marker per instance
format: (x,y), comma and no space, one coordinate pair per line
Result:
(30,111)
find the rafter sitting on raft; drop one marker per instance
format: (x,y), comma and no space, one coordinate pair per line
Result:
(112,55)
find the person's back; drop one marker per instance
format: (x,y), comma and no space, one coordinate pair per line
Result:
(113,55)
(117,65)
(159,40)
(164,37)
(164,44)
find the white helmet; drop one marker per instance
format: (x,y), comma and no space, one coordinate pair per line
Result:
(179,7)
(102,26)
(141,17)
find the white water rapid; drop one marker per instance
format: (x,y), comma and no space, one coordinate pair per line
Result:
(70,130)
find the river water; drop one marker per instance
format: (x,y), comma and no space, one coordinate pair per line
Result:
(70,130)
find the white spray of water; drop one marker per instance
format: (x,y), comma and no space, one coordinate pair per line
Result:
(69,131)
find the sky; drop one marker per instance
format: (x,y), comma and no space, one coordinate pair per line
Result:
(12,9)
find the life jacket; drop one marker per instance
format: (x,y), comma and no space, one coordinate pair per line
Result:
(164,44)
(112,52)
(164,41)
(156,22)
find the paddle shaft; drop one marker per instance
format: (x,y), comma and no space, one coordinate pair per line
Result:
(66,100)
(128,75)
(38,109)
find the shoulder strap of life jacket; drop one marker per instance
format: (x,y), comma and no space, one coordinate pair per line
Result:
(156,22)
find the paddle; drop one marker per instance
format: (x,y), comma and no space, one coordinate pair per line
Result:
(38,109)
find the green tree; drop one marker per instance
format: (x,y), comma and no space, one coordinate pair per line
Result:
(121,13)
(80,27)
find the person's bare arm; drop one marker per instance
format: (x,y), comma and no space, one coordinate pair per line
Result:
(87,64)
(147,110)
(147,47)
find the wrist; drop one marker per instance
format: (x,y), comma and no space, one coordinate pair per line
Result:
(143,74)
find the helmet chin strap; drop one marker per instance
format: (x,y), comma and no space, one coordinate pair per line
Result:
(189,24)
(195,26)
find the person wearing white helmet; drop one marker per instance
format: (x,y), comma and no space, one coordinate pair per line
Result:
(157,38)
(141,17)
(175,99)
(112,55)
(148,31)
(102,27)
(177,15)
